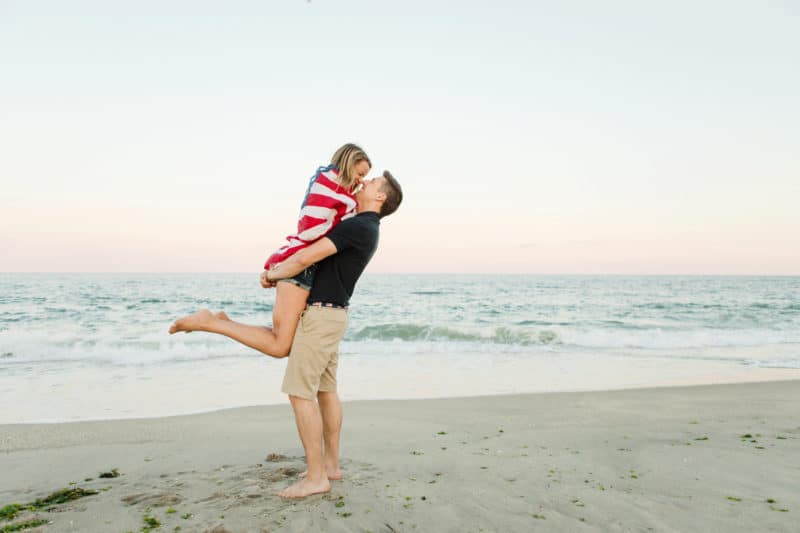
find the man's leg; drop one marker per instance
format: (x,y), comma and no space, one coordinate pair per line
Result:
(290,301)
(331,409)
(309,425)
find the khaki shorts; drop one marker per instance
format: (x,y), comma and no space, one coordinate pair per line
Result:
(315,352)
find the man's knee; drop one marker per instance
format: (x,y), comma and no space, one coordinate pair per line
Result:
(325,395)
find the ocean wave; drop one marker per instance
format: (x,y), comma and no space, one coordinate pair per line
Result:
(679,338)
(415,332)
(101,350)
(773,363)
(427,293)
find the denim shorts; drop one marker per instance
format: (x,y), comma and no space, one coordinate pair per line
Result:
(304,279)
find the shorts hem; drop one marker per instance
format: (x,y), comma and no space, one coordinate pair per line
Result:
(296,283)
(299,395)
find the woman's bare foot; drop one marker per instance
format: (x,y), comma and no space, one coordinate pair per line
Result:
(193,322)
(304,488)
(221,315)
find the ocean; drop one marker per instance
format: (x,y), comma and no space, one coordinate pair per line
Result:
(95,346)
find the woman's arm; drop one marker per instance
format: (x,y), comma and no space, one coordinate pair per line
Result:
(296,263)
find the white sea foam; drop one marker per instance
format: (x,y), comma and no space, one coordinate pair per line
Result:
(116,325)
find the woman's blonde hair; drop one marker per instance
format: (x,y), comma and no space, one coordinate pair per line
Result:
(346,158)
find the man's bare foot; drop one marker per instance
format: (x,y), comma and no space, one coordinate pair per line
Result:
(304,488)
(222,316)
(334,474)
(192,322)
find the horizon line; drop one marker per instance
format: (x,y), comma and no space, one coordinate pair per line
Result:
(583,274)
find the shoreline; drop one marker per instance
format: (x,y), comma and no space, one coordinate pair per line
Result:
(597,461)
(88,393)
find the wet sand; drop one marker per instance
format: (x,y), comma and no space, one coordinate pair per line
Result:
(701,458)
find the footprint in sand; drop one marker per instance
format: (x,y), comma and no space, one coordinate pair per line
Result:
(152,499)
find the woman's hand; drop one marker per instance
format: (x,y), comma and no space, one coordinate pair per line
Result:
(265,282)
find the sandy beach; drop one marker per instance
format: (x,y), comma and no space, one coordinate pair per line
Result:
(701,458)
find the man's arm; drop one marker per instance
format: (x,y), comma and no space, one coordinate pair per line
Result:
(298,262)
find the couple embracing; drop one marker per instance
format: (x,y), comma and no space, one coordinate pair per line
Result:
(314,275)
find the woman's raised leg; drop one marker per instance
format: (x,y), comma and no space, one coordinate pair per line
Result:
(290,300)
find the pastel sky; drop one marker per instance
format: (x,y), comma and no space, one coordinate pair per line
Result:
(541,137)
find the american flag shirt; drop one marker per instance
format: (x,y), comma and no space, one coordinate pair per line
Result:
(326,204)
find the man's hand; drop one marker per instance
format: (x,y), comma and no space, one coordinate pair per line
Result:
(266,283)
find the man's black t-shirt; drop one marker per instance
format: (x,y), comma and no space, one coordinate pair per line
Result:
(356,240)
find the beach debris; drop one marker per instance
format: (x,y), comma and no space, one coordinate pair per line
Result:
(61,496)
(150,522)
(734,499)
(113,473)
(275,458)
(9,512)
(539,516)
(26,524)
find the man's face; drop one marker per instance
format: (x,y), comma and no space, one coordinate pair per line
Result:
(370,190)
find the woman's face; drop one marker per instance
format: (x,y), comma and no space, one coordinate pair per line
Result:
(360,171)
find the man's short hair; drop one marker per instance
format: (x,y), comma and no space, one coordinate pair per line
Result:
(394,194)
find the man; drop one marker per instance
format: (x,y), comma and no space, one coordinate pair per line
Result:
(310,379)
